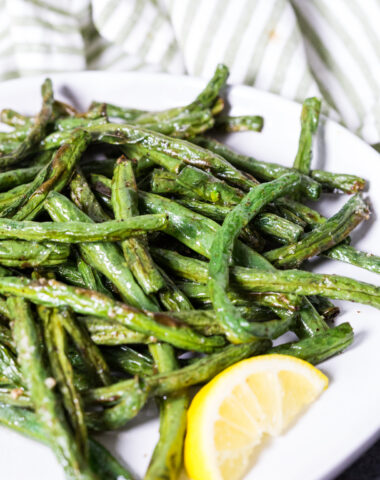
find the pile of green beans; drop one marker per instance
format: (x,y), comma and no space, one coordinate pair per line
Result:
(150,271)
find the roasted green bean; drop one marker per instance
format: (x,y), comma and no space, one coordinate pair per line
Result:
(135,250)
(55,294)
(77,232)
(40,385)
(237,329)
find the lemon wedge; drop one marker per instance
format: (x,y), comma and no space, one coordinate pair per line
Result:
(230,416)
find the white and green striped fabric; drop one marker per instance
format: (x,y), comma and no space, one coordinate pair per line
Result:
(295,48)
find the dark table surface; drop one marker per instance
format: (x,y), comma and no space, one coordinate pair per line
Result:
(367,467)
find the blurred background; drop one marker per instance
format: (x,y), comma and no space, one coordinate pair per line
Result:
(294,48)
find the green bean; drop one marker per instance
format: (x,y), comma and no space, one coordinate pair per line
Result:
(143,166)
(330,233)
(289,215)
(242,123)
(84,199)
(167,152)
(171,296)
(206,99)
(20,253)
(196,231)
(105,464)
(90,278)
(15,136)
(61,124)
(102,184)
(348,254)
(43,158)
(38,130)
(205,322)
(308,215)
(103,256)
(207,187)
(94,112)
(202,321)
(310,321)
(338,181)
(4,312)
(119,415)
(55,294)
(115,111)
(26,422)
(90,353)
(262,170)
(206,318)
(63,109)
(95,165)
(70,274)
(82,380)
(14,119)
(279,228)
(172,154)
(77,232)
(108,332)
(9,370)
(324,307)
(45,401)
(218,213)
(184,126)
(309,123)
(164,182)
(200,371)
(320,347)
(62,370)
(306,283)
(14,178)
(125,207)
(166,460)
(252,304)
(103,189)
(6,336)
(237,330)
(15,198)
(210,210)
(218,106)
(208,96)
(59,175)
(193,183)
(11,195)
(7,148)
(199,293)
(70,123)
(202,186)
(130,361)
(343,253)
(196,271)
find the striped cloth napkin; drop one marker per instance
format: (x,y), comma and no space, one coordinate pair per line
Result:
(295,48)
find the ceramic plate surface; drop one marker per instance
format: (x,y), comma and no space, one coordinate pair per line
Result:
(346,419)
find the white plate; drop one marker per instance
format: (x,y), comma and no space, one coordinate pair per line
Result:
(346,420)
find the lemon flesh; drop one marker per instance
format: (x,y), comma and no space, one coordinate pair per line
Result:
(230,416)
